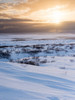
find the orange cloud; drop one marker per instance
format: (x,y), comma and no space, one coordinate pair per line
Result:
(24,8)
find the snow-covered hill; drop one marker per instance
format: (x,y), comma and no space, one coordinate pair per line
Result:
(27,82)
(41,68)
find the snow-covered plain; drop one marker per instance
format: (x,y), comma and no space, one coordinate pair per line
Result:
(37,67)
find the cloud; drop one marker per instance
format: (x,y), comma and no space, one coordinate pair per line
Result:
(27,15)
(26,26)
(32,8)
(12,1)
(11,11)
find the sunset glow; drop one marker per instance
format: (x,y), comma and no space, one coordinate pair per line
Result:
(51,15)
(31,14)
(57,16)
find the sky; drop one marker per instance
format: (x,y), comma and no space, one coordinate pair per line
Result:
(37,15)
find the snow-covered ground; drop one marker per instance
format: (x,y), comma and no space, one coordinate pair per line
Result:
(37,67)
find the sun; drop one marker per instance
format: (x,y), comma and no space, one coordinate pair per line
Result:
(57,16)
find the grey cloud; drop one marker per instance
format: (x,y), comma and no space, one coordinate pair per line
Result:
(25,26)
